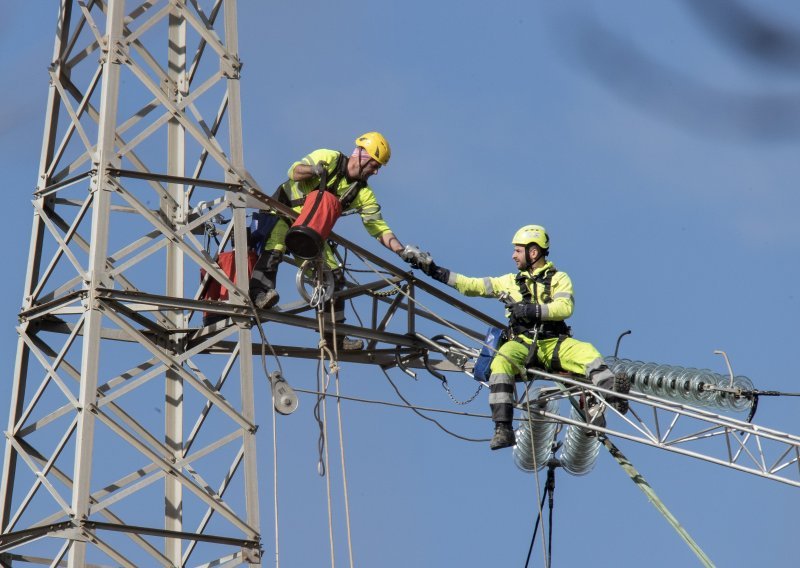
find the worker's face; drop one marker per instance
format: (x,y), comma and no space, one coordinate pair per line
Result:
(518,257)
(362,171)
(370,169)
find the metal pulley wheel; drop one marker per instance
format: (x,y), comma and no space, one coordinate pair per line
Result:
(315,282)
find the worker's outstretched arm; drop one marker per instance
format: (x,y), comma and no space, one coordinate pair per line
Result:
(391,242)
(487,286)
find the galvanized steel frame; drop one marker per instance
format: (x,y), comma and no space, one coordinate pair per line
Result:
(83,295)
(105,51)
(81,286)
(693,432)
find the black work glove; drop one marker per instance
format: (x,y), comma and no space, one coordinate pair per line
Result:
(524,313)
(319,169)
(436,272)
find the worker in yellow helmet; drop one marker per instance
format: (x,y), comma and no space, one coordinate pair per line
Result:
(540,296)
(346,176)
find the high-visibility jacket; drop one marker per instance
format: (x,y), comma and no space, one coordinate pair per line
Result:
(365,202)
(557,299)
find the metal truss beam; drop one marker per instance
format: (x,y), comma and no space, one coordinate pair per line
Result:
(692,432)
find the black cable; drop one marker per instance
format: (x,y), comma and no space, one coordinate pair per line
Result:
(418,413)
(536,526)
(621,335)
(320,424)
(551,486)
(549,489)
(754,394)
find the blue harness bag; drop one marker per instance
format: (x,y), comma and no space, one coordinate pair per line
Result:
(495,337)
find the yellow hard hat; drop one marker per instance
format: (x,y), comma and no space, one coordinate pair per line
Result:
(532,234)
(376,146)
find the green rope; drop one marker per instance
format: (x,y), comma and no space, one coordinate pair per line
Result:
(642,484)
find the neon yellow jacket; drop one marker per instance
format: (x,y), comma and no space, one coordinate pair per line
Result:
(365,202)
(557,306)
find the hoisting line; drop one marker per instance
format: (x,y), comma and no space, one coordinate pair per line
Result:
(322,420)
(549,489)
(323,382)
(275,481)
(642,484)
(545,552)
(623,461)
(335,369)
(645,487)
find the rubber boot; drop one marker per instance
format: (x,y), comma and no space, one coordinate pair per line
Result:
(503,436)
(264,279)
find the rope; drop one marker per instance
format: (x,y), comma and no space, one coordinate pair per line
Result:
(322,389)
(335,369)
(275,482)
(549,489)
(536,528)
(642,484)
(536,474)
(328,481)
(322,464)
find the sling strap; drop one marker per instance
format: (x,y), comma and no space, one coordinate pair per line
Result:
(327,182)
(548,329)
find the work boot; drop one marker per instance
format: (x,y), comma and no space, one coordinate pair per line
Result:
(622,384)
(344,343)
(503,436)
(266,298)
(264,279)
(347,344)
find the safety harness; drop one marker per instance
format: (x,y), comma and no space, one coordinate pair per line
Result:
(545,329)
(327,182)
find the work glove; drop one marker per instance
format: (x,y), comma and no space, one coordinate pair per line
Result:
(416,258)
(319,169)
(524,313)
(437,272)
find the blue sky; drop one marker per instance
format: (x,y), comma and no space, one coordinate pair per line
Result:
(661,158)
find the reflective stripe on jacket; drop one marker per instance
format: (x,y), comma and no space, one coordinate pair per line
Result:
(365,202)
(557,307)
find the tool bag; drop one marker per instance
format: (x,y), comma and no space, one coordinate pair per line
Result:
(260,229)
(321,209)
(495,337)
(216,291)
(307,235)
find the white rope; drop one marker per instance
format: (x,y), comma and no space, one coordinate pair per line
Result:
(496,353)
(536,473)
(275,482)
(323,465)
(335,370)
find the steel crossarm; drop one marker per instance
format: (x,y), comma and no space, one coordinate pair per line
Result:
(690,431)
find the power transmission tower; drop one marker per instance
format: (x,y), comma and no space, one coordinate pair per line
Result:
(143,118)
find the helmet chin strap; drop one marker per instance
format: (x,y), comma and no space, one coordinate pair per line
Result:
(361,164)
(528,262)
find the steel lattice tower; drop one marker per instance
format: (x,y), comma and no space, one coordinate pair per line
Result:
(143,123)
(141,156)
